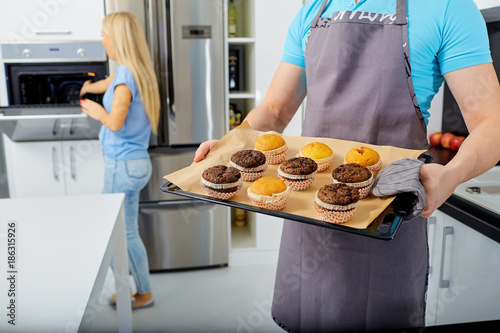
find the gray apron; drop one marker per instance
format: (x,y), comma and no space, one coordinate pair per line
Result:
(359,88)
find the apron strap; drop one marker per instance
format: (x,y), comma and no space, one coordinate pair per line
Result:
(316,19)
(401,13)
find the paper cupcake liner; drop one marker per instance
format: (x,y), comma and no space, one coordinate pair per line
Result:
(276,151)
(219,186)
(375,169)
(323,163)
(220,195)
(333,216)
(262,167)
(267,198)
(275,159)
(251,176)
(278,204)
(297,185)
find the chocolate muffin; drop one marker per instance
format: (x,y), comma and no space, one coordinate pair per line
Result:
(251,164)
(355,175)
(351,173)
(338,194)
(298,172)
(299,166)
(221,181)
(336,203)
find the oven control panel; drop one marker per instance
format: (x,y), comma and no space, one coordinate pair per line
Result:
(49,52)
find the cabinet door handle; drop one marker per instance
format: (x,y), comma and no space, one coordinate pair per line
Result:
(447,231)
(72,162)
(431,225)
(55,169)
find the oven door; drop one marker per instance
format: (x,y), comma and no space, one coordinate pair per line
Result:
(44,101)
(47,123)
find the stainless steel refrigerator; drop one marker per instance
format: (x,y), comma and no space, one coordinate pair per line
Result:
(187,44)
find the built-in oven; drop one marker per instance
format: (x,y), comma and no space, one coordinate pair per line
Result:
(40,85)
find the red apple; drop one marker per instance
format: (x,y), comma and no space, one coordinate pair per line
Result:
(445,139)
(435,138)
(456,142)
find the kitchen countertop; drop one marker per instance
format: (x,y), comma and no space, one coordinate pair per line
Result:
(58,256)
(479,212)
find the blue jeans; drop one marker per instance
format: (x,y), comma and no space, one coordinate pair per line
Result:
(130,177)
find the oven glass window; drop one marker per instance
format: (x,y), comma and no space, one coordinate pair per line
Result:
(54,83)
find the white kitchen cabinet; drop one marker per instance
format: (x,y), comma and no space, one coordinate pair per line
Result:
(33,169)
(464,274)
(84,167)
(35,20)
(53,168)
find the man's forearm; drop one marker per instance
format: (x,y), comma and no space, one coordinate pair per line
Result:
(478,153)
(264,118)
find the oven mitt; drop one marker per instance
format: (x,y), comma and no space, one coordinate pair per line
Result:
(402,176)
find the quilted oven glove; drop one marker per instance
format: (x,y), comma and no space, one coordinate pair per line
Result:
(402,177)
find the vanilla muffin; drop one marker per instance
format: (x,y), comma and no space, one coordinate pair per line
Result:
(298,173)
(354,175)
(221,182)
(336,203)
(250,163)
(273,146)
(269,193)
(366,157)
(320,153)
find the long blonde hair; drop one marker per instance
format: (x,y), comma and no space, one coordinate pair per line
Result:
(130,47)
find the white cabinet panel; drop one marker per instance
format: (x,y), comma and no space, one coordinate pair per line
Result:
(464,274)
(472,267)
(25,20)
(84,167)
(34,169)
(54,168)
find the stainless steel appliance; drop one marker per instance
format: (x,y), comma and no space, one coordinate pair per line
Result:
(186,39)
(187,44)
(180,233)
(41,88)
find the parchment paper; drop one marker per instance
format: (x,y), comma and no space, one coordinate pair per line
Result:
(299,202)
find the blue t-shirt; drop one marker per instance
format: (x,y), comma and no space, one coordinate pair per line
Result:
(132,140)
(444,35)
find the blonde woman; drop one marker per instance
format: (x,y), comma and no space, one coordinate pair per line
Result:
(131,111)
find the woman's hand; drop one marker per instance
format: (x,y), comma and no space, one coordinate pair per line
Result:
(93,109)
(203,150)
(83,91)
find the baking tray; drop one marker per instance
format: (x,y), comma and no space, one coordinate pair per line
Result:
(384,227)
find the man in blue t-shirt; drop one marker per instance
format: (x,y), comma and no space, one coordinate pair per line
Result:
(370,69)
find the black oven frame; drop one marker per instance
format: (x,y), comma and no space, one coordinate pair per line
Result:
(15,70)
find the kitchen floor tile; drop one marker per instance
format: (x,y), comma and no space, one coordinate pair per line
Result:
(223,299)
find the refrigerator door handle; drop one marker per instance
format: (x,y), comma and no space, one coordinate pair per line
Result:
(151,31)
(159,30)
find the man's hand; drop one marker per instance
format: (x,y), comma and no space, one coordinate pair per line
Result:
(203,150)
(438,186)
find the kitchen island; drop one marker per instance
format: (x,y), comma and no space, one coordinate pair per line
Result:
(55,253)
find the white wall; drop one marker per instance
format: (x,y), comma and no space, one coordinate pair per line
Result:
(482,4)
